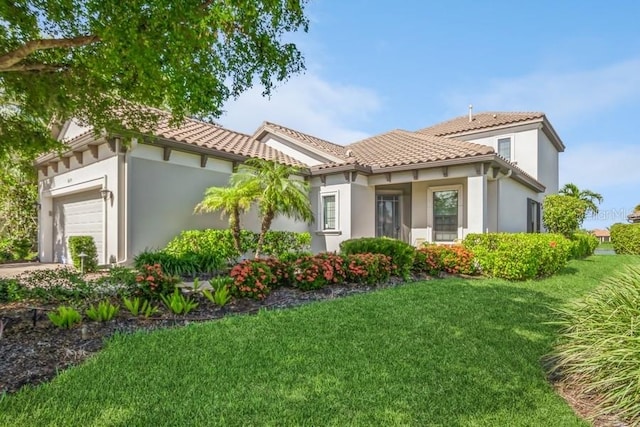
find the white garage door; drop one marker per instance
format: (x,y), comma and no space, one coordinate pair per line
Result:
(77,215)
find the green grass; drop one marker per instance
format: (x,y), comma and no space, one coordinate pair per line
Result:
(606,246)
(443,352)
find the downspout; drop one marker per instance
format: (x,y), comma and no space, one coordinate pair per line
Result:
(124,203)
(105,217)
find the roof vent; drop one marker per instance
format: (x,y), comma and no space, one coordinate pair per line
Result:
(470,113)
(349,153)
(495,116)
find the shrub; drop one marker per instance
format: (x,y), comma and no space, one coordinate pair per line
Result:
(583,245)
(626,238)
(314,272)
(563,214)
(171,264)
(153,283)
(453,259)
(598,345)
(519,256)
(87,246)
(279,243)
(401,253)
(11,290)
(252,279)
(368,268)
(119,281)
(282,270)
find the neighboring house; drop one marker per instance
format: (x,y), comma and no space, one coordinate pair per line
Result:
(472,174)
(603,235)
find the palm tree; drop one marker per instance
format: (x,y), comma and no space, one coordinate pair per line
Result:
(587,196)
(279,194)
(232,202)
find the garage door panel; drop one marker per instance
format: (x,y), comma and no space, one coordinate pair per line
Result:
(77,215)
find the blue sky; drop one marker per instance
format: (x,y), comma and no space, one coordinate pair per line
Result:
(374,66)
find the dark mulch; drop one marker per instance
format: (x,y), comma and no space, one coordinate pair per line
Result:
(33,350)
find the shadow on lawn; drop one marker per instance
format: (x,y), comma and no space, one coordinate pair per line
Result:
(448,352)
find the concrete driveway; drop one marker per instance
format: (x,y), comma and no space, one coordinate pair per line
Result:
(13,270)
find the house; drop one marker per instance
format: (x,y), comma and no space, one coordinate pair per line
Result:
(603,235)
(472,174)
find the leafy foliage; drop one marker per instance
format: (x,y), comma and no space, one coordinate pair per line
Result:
(401,253)
(139,307)
(221,292)
(280,243)
(252,279)
(453,259)
(583,245)
(368,268)
(563,214)
(177,303)
(103,312)
(315,272)
(87,246)
(153,283)
(79,58)
(626,238)
(519,256)
(11,290)
(277,193)
(599,346)
(18,212)
(55,285)
(589,197)
(65,317)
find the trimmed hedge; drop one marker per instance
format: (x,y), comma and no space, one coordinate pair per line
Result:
(402,254)
(583,245)
(453,259)
(626,238)
(519,256)
(86,245)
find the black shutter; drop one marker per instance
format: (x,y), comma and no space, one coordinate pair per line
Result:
(529,217)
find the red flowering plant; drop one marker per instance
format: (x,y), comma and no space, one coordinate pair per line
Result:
(252,279)
(314,272)
(368,268)
(153,283)
(282,270)
(453,259)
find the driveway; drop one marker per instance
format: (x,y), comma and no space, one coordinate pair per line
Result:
(13,270)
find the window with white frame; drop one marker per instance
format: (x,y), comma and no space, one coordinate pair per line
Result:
(445,206)
(504,147)
(329,211)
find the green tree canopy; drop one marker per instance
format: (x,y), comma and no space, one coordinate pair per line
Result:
(588,196)
(98,60)
(562,214)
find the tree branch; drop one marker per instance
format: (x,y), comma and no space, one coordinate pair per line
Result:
(10,59)
(34,68)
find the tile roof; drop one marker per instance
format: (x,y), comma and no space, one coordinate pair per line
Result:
(215,137)
(324,145)
(479,121)
(601,233)
(401,147)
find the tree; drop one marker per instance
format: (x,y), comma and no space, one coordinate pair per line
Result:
(18,212)
(231,202)
(279,194)
(588,196)
(562,214)
(98,61)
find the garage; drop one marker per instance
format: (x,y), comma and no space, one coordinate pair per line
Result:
(79,214)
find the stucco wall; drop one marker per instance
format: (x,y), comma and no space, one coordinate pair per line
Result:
(92,175)
(363,208)
(512,208)
(548,164)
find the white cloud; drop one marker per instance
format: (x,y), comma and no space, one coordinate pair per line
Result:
(309,104)
(600,166)
(564,96)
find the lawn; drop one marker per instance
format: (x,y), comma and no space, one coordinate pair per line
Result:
(441,352)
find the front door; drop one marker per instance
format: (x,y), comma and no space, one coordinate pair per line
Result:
(388,222)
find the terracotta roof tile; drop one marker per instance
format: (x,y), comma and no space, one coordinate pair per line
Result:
(484,120)
(400,147)
(215,137)
(601,233)
(324,145)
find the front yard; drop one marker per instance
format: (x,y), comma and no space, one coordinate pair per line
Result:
(440,352)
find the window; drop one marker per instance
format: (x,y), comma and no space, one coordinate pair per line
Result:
(504,148)
(329,212)
(533,216)
(445,215)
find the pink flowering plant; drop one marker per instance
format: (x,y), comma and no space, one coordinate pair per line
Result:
(252,279)
(153,283)
(368,268)
(315,272)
